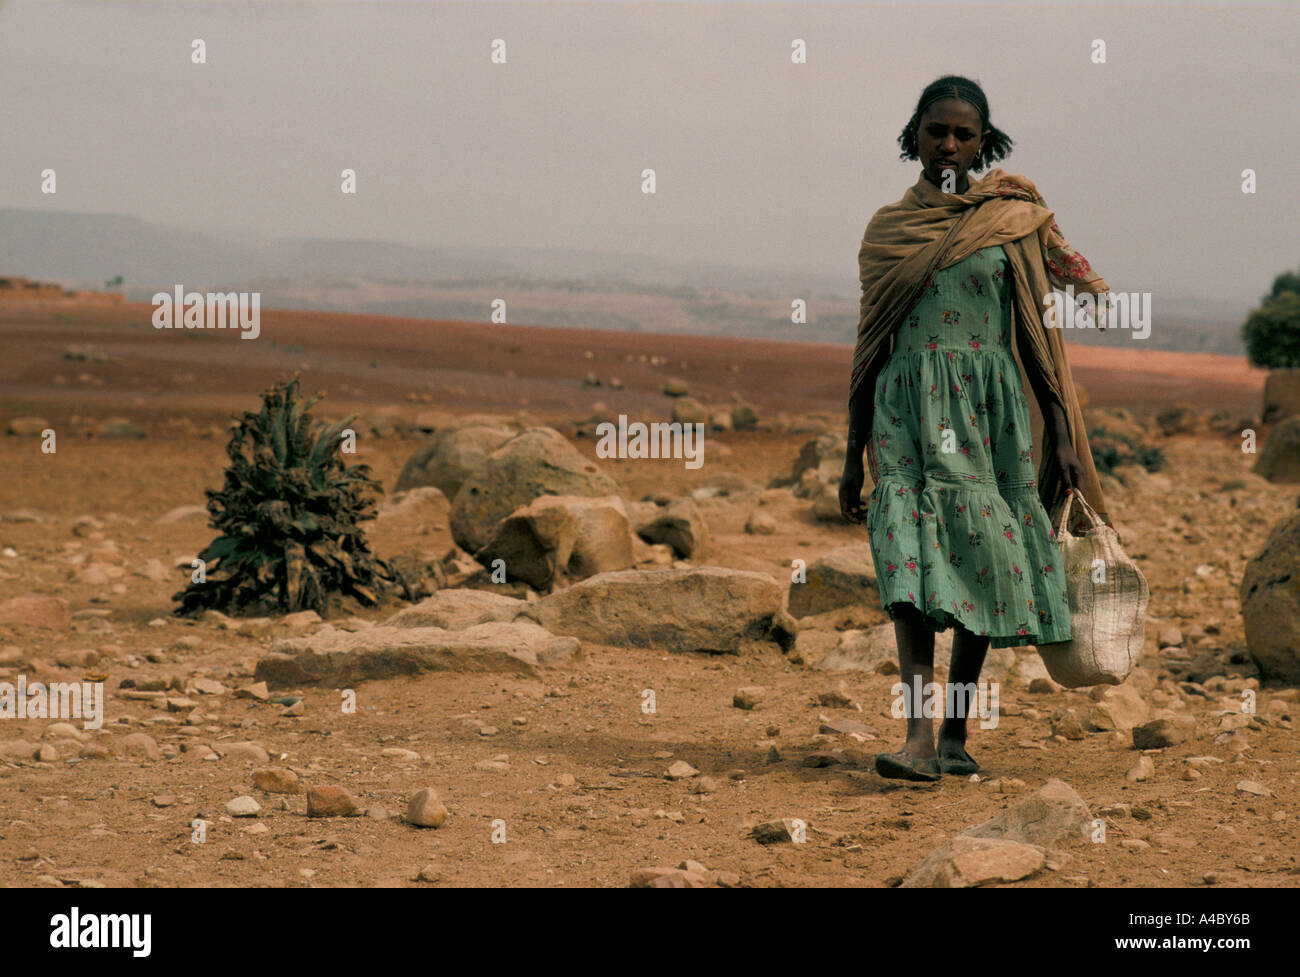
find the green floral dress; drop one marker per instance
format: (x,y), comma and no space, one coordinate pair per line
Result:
(957,528)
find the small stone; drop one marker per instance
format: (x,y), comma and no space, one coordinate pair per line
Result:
(774,832)
(1235,741)
(1161,733)
(257,690)
(425,810)
(243,807)
(330,802)
(1253,787)
(681,770)
(1142,770)
(164,800)
(1135,844)
(277,780)
(748,697)
(847,727)
(1065,722)
(1169,636)
(834,699)
(821,760)
(667,878)
(246,750)
(397,753)
(64,731)
(429,874)
(140,744)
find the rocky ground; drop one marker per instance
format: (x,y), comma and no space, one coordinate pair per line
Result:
(551,772)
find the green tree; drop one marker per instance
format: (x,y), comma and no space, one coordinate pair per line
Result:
(1272,333)
(1288,281)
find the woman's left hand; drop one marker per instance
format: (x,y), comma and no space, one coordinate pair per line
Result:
(1068,465)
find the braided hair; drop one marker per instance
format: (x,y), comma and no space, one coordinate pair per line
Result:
(997,144)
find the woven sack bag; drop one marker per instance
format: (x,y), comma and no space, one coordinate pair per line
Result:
(1108,600)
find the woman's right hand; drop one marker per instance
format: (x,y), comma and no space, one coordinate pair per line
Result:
(851,505)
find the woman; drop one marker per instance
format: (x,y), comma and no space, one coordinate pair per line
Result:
(954,278)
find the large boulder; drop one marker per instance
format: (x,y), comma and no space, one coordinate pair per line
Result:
(1270,603)
(681,525)
(1055,812)
(426,503)
(456,610)
(1009,846)
(448,458)
(1279,459)
(842,577)
(964,863)
(559,538)
(536,462)
(694,609)
(1281,394)
(342,658)
(820,461)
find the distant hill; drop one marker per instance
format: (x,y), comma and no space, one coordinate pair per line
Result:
(570,287)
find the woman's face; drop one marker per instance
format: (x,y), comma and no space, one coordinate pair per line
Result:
(949,137)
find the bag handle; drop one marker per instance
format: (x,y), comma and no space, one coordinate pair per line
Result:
(1071,495)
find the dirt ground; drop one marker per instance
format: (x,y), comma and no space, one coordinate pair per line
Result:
(581,792)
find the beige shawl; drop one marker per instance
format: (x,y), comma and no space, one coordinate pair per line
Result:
(907,242)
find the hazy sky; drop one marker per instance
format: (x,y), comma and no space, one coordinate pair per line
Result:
(759,161)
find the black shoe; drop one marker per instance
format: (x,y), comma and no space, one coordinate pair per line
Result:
(903,766)
(962,766)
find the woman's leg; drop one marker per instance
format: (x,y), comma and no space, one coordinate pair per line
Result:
(916,671)
(968,651)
